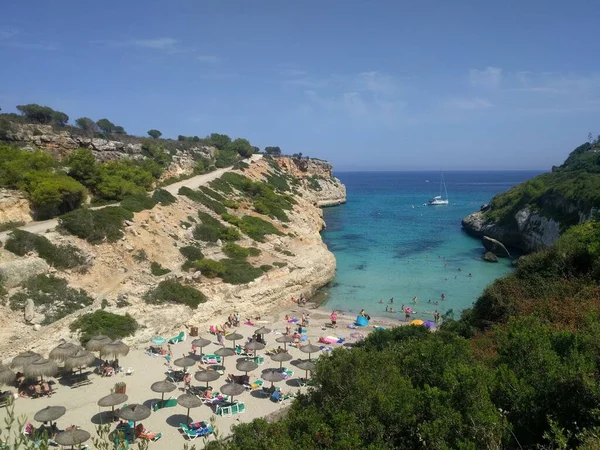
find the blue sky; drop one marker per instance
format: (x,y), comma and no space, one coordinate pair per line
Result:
(368,85)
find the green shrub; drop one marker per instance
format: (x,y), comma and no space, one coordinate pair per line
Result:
(257,228)
(115,326)
(265,267)
(138,202)
(210,268)
(231,204)
(52,297)
(157,270)
(225,158)
(174,292)
(230,218)
(283,251)
(239,271)
(221,185)
(241,165)
(235,251)
(191,253)
(7,226)
(52,194)
(215,195)
(253,251)
(313,182)
(163,197)
(140,255)
(204,199)
(211,230)
(96,225)
(279,264)
(64,256)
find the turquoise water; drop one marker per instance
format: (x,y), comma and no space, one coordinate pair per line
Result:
(387,244)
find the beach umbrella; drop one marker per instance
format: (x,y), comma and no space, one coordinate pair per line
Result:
(417,322)
(112,400)
(50,414)
(309,348)
(161,387)
(285,340)
(184,362)
(235,336)
(96,343)
(159,340)
(73,437)
(82,358)
(232,389)
(429,324)
(62,351)
(281,357)
(189,401)
(223,352)
(23,359)
(273,376)
(135,413)
(306,365)
(114,349)
(263,330)
(7,376)
(41,368)
(207,375)
(201,343)
(254,345)
(246,366)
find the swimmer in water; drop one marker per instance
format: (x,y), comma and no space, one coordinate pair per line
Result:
(392,310)
(443,296)
(381,301)
(459,269)
(415,299)
(392,300)
(470,274)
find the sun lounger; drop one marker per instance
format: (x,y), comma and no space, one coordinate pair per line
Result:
(179,338)
(256,384)
(211,359)
(193,432)
(169,403)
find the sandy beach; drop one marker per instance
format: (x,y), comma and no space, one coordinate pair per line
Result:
(81,402)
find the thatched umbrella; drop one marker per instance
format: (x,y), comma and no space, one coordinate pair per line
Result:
(96,343)
(7,376)
(112,400)
(189,401)
(285,340)
(254,345)
(306,365)
(246,366)
(223,352)
(310,348)
(235,336)
(207,375)
(50,414)
(201,343)
(281,357)
(184,362)
(41,368)
(273,376)
(82,358)
(73,437)
(24,359)
(62,351)
(162,387)
(135,413)
(263,330)
(114,349)
(232,389)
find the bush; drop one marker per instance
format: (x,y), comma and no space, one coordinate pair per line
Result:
(191,253)
(65,256)
(204,199)
(174,292)
(115,326)
(52,296)
(163,197)
(140,255)
(279,264)
(11,225)
(265,267)
(231,204)
(215,195)
(211,230)
(253,251)
(138,202)
(52,194)
(230,218)
(257,228)
(119,179)
(235,251)
(221,185)
(210,268)
(225,158)
(96,225)
(239,271)
(158,270)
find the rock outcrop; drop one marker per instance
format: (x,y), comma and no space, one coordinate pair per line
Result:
(494,246)
(14,207)
(490,257)
(13,273)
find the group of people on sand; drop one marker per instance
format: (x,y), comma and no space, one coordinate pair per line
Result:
(300,300)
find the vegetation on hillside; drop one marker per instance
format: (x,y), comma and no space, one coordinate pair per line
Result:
(97,225)
(170,291)
(115,326)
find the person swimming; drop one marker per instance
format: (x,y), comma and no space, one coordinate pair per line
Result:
(392,300)
(381,301)
(415,299)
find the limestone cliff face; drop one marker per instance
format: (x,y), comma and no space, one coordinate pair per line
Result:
(116,273)
(14,207)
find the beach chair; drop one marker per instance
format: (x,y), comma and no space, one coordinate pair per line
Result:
(257,384)
(169,403)
(211,359)
(179,338)
(241,407)
(224,410)
(259,360)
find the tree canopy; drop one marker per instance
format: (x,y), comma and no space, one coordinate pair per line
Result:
(86,124)
(273,151)
(43,114)
(154,133)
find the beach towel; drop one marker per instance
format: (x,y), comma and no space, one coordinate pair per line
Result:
(352,326)
(380,328)
(294,320)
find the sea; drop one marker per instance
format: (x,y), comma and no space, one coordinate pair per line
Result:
(388,244)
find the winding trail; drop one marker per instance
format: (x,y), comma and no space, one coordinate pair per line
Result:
(193,183)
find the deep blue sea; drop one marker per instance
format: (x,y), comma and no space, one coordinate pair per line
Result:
(387,244)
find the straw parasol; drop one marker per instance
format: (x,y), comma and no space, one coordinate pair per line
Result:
(263,330)
(235,336)
(7,376)
(207,375)
(41,368)
(201,343)
(273,376)
(82,358)
(246,366)
(50,413)
(96,343)
(306,365)
(159,340)
(112,400)
(73,437)
(161,387)
(223,352)
(184,362)
(135,413)
(285,340)
(116,348)
(255,345)
(309,348)
(232,389)
(281,357)
(23,359)
(189,401)
(62,351)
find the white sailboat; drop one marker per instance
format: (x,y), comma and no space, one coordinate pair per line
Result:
(438,199)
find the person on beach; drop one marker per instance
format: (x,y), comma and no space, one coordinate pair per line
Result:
(333,318)
(220,338)
(443,296)
(392,300)
(415,299)
(436,316)
(406,315)
(381,301)
(193,349)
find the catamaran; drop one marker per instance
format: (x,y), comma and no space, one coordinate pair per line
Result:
(438,199)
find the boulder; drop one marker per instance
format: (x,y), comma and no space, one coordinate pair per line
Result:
(29,310)
(490,257)
(14,273)
(196,275)
(495,246)
(37,327)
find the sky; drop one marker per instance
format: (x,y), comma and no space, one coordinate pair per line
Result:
(367,85)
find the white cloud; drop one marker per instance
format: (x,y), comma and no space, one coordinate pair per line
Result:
(377,82)
(489,78)
(209,59)
(468,103)
(165,43)
(292,73)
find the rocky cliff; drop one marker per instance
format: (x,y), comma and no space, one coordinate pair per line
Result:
(118,276)
(533,214)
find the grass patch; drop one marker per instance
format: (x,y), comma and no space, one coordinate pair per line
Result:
(230,218)
(115,326)
(64,256)
(52,297)
(204,199)
(235,251)
(210,268)
(232,271)
(231,204)
(208,191)
(191,219)
(191,253)
(257,228)
(211,230)
(266,267)
(97,225)
(313,182)
(158,270)
(138,202)
(253,251)
(7,226)
(170,291)
(221,185)
(163,197)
